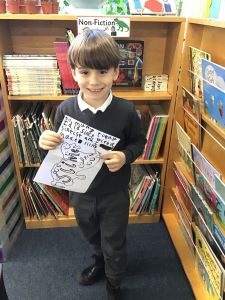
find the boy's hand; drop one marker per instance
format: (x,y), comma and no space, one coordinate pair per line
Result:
(49,140)
(114,160)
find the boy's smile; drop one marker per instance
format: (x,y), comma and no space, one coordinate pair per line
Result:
(94,84)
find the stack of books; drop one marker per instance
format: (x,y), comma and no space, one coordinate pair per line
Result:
(43,201)
(28,124)
(32,74)
(156,83)
(11,220)
(157,121)
(144,189)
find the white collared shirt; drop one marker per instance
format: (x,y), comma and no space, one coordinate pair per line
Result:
(83,105)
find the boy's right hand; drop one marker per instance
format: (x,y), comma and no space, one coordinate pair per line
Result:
(49,140)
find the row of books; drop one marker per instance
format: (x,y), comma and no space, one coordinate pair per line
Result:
(202,192)
(43,201)
(28,123)
(41,74)
(208,265)
(32,74)
(144,189)
(154,120)
(131,63)
(11,220)
(194,215)
(208,84)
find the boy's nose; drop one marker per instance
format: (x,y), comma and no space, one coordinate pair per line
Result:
(93,79)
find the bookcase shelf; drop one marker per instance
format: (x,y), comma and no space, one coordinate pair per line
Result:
(159,161)
(208,36)
(130,94)
(35,34)
(70,221)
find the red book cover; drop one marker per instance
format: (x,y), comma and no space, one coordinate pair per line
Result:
(61,197)
(68,83)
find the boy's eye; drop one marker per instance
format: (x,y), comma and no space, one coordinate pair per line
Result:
(84,72)
(103,71)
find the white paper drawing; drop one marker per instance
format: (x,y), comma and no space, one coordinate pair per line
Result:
(74,164)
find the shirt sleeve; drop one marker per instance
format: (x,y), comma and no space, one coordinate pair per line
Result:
(136,138)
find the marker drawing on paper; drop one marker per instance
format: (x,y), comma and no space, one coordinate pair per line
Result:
(74,164)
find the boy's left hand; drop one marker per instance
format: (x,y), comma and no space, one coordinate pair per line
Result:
(114,160)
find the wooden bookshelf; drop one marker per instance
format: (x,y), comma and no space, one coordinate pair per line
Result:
(35,34)
(209,36)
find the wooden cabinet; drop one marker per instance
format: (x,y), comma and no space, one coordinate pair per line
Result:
(35,34)
(208,36)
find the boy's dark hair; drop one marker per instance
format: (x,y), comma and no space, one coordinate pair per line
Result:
(94,49)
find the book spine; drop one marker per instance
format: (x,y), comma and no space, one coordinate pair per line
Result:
(61,49)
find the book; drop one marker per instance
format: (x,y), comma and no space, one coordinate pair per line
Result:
(196,55)
(69,86)
(220,187)
(155,197)
(155,131)
(204,175)
(152,7)
(203,208)
(214,270)
(214,91)
(183,220)
(214,9)
(192,128)
(184,147)
(191,104)
(184,195)
(131,63)
(159,136)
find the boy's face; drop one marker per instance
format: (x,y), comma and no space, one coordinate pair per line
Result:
(95,84)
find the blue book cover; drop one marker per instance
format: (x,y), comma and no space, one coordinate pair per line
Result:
(214,9)
(214,91)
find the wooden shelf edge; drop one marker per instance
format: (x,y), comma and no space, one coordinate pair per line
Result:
(207,22)
(66,17)
(185,256)
(50,223)
(134,219)
(136,162)
(130,94)
(70,221)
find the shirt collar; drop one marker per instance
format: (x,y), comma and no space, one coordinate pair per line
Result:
(83,105)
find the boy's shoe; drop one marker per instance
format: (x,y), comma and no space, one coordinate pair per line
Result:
(113,292)
(91,274)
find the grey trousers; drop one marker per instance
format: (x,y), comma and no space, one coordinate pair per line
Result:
(103,223)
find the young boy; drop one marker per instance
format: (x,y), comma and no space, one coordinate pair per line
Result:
(102,212)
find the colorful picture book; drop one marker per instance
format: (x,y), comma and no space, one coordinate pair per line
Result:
(214,91)
(131,63)
(152,7)
(208,266)
(196,55)
(205,178)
